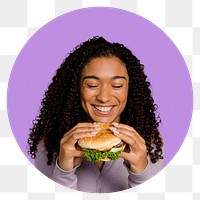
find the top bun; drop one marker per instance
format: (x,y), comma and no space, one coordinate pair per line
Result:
(104,139)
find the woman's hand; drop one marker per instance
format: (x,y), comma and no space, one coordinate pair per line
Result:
(70,154)
(136,155)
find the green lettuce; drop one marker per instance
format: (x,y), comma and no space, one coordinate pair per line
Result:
(96,156)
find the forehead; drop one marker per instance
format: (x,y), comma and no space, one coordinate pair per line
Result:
(104,66)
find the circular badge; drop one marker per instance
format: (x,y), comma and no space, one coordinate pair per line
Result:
(44,52)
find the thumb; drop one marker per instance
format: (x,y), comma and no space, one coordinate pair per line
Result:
(78,154)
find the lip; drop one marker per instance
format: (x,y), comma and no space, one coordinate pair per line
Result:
(103,110)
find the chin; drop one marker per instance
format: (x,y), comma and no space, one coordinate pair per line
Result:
(104,120)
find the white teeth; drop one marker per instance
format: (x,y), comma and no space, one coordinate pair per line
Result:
(103,109)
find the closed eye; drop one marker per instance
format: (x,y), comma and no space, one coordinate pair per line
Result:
(117,86)
(92,86)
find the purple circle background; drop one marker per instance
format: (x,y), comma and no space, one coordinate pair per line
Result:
(44,52)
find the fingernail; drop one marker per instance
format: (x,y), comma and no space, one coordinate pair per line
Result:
(94,132)
(115,123)
(114,130)
(97,128)
(95,124)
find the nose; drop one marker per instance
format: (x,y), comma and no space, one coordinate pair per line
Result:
(104,95)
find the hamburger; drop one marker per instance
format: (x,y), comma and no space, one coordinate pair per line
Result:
(104,146)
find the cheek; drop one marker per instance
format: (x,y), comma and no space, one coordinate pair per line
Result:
(122,96)
(124,101)
(83,101)
(86,96)
(82,97)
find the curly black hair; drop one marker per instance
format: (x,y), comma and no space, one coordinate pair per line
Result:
(61,108)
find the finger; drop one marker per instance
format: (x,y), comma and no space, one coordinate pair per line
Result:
(78,130)
(78,154)
(128,132)
(73,137)
(123,126)
(82,125)
(133,135)
(126,156)
(81,134)
(140,137)
(130,135)
(131,129)
(86,129)
(81,128)
(132,142)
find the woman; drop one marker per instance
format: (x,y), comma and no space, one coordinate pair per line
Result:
(98,82)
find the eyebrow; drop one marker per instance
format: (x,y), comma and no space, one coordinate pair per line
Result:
(90,77)
(119,77)
(97,78)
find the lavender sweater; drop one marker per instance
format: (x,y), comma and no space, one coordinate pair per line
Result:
(114,176)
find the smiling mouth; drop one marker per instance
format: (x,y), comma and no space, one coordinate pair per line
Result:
(104,109)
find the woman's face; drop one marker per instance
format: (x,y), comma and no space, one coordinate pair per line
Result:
(104,89)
